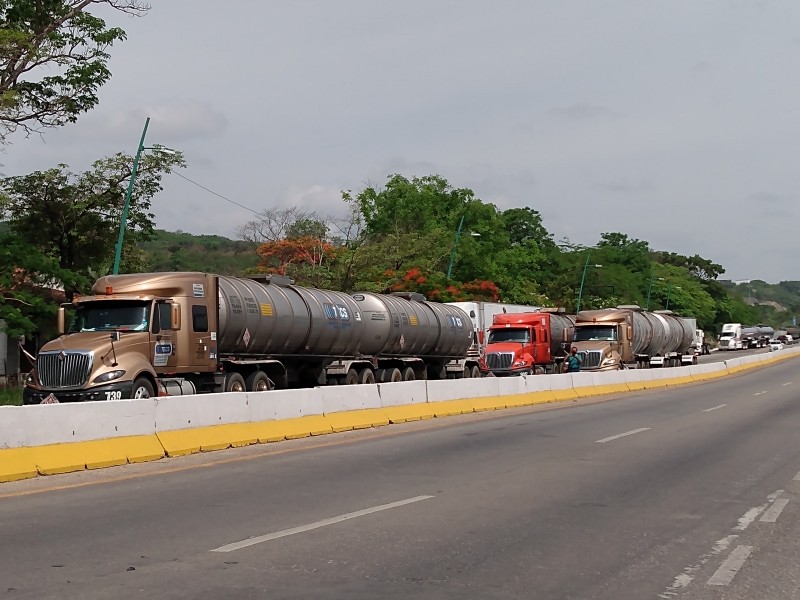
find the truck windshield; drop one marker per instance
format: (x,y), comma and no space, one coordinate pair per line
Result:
(726,334)
(509,335)
(587,334)
(122,315)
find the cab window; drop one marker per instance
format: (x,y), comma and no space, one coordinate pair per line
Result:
(199,318)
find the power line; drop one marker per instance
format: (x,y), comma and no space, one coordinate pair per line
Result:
(215,193)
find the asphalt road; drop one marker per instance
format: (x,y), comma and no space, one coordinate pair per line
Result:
(692,492)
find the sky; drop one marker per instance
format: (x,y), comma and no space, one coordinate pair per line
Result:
(675,122)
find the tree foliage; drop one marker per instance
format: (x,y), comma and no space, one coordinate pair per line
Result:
(53,60)
(74,218)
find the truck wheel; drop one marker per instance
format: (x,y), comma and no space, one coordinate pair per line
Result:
(351,378)
(258,382)
(408,374)
(142,388)
(467,373)
(476,372)
(366,376)
(234,383)
(394,376)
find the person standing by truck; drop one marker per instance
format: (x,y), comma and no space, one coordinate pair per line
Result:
(573,362)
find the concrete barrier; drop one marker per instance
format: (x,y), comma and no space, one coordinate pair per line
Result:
(405,401)
(48,439)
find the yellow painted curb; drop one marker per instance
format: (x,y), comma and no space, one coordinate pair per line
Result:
(269,431)
(487,403)
(514,400)
(567,394)
(300,427)
(357,419)
(637,386)
(447,408)
(409,412)
(16,464)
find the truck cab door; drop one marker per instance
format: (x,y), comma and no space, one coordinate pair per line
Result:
(163,339)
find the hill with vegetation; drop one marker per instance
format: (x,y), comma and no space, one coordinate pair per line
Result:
(181,251)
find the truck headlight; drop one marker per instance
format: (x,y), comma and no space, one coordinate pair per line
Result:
(30,378)
(609,361)
(520,363)
(110,376)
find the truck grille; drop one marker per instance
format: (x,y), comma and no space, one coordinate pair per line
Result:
(63,369)
(591,359)
(724,343)
(499,360)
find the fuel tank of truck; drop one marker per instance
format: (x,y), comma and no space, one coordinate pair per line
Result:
(270,316)
(407,325)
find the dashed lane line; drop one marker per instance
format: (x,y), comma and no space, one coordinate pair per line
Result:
(302,528)
(760,393)
(773,512)
(715,408)
(620,435)
(727,571)
(787,383)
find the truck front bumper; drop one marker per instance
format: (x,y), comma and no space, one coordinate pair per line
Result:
(113,391)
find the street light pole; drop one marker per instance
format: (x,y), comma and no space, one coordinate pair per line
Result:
(669,292)
(455,245)
(128,195)
(650,289)
(583,280)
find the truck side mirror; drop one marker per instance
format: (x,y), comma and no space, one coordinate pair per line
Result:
(176,317)
(60,318)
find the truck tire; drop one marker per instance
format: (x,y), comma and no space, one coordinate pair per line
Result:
(476,372)
(142,388)
(351,378)
(467,373)
(234,382)
(366,377)
(408,374)
(393,376)
(258,381)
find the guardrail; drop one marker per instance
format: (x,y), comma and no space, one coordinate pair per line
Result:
(61,438)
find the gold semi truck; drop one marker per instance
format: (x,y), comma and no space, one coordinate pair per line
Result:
(182,333)
(629,337)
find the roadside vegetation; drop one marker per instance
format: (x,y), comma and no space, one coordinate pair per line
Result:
(11,396)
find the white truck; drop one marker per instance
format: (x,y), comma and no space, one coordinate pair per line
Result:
(731,337)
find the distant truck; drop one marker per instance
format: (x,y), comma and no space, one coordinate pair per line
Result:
(757,336)
(730,338)
(183,333)
(528,342)
(629,337)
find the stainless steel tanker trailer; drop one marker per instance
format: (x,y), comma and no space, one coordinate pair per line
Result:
(627,336)
(182,333)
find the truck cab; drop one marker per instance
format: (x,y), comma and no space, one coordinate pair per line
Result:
(525,343)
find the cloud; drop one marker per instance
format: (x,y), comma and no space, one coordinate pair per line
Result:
(626,186)
(773,206)
(583,112)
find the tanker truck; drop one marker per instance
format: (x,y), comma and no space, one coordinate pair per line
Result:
(629,337)
(757,336)
(183,333)
(527,343)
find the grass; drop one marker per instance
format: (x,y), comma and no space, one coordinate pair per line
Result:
(11,396)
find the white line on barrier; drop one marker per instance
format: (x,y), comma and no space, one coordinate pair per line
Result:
(616,437)
(715,408)
(727,571)
(773,512)
(302,528)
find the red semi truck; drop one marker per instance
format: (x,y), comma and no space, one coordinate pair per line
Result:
(527,343)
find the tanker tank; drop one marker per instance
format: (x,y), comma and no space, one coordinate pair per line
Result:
(562,329)
(276,318)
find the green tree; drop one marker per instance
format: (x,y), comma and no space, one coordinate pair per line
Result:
(74,219)
(54,59)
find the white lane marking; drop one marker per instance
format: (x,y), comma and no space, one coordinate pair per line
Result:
(759,393)
(773,512)
(302,528)
(797,477)
(787,383)
(616,437)
(727,571)
(715,408)
(684,579)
